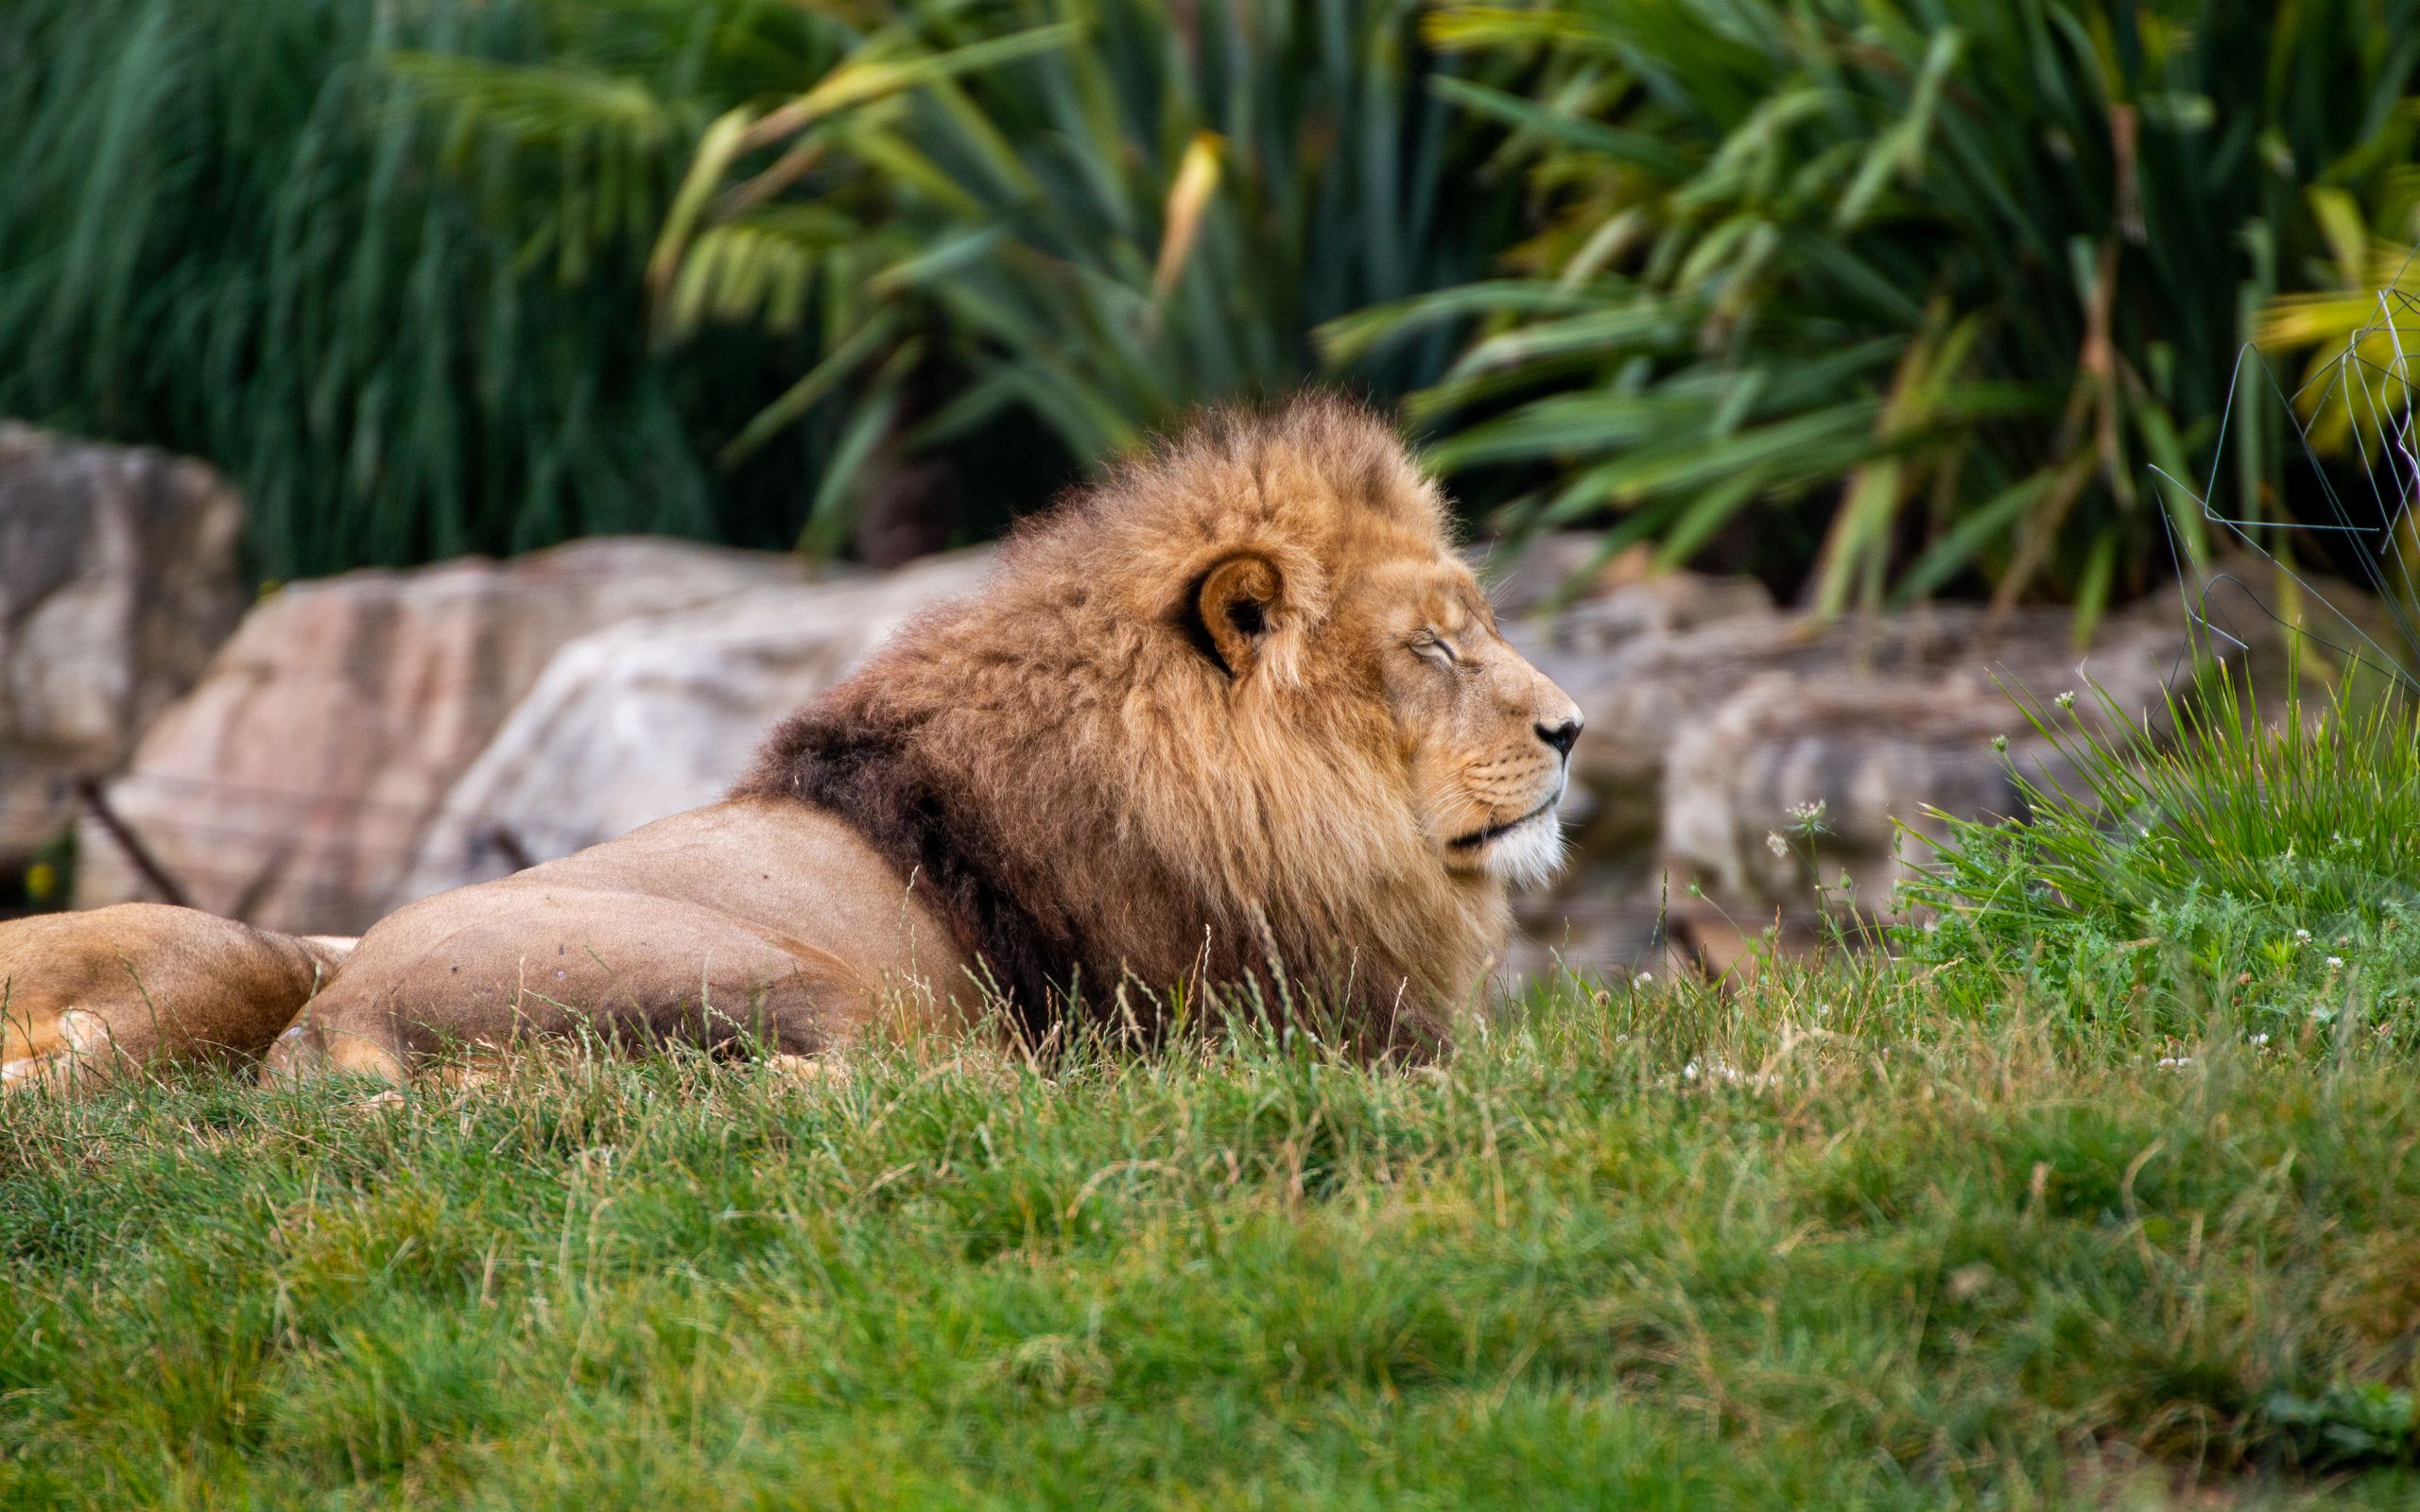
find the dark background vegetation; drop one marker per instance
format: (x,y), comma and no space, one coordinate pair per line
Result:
(1878,300)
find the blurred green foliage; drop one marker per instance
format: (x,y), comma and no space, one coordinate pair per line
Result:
(1937,279)
(439,276)
(1087,215)
(1882,297)
(222,231)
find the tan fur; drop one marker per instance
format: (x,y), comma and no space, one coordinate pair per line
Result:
(744,919)
(1238,705)
(89,996)
(1175,811)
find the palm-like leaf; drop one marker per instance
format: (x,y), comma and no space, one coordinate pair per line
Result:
(1108,212)
(2013,237)
(375,260)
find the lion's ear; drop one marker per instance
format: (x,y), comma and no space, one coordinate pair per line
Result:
(1251,608)
(1237,608)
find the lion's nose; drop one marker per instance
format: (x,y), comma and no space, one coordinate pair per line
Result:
(1562,737)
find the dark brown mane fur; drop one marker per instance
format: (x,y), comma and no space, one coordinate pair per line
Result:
(865,767)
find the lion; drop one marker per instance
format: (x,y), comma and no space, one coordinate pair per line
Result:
(1235,720)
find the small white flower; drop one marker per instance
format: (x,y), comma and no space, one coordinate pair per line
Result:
(2259,1039)
(2335,962)
(1689,1071)
(1774,843)
(1999,742)
(2302,936)
(1642,979)
(1822,1011)
(2174,1062)
(2066,699)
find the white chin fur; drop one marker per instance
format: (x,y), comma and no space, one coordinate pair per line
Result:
(1528,856)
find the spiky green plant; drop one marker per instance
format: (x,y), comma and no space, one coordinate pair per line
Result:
(1931,281)
(2354,320)
(222,229)
(2218,834)
(1067,218)
(608,150)
(1184,197)
(1086,215)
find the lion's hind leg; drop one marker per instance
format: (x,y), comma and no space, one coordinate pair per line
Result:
(486,969)
(88,997)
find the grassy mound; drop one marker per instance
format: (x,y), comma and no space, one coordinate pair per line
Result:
(2095,1193)
(1859,1237)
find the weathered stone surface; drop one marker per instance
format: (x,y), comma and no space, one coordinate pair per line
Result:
(1794,774)
(647,718)
(1874,744)
(1712,733)
(292,786)
(1643,660)
(118,576)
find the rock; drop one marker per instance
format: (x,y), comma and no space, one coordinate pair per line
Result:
(647,718)
(1887,743)
(119,575)
(1716,722)
(1637,664)
(1795,778)
(291,788)
(1643,675)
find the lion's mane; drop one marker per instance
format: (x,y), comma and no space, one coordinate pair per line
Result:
(1065,767)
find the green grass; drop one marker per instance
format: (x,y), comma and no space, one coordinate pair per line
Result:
(2094,1191)
(1859,1237)
(2218,846)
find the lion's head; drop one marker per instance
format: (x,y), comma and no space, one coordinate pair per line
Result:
(1239,703)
